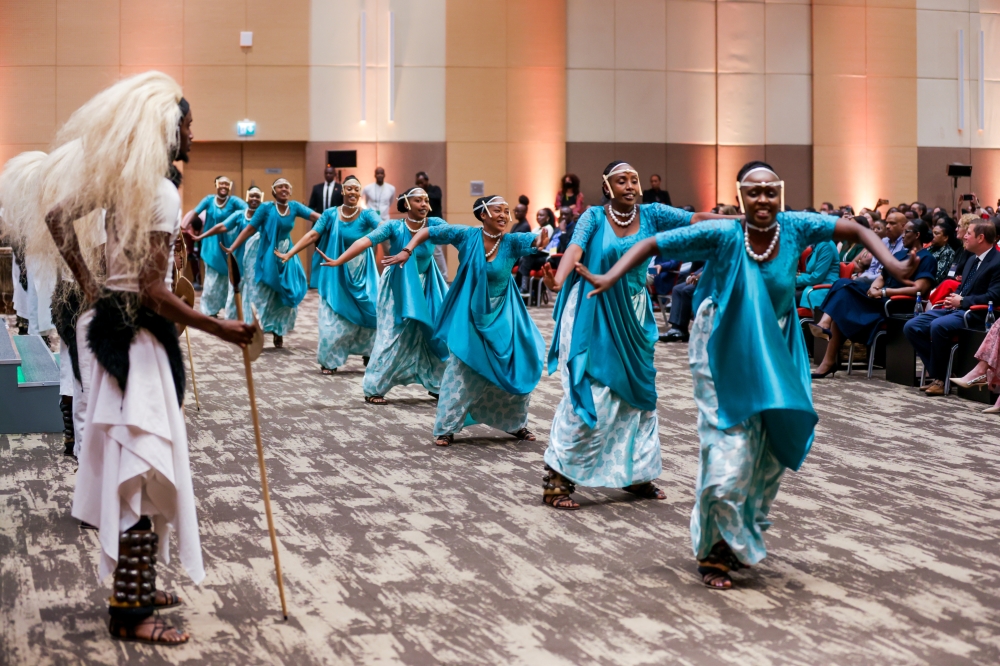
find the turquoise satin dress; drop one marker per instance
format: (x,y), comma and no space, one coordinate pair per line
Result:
(410,297)
(348,293)
(496,349)
(605,431)
(235,223)
(215,286)
(751,376)
(280,286)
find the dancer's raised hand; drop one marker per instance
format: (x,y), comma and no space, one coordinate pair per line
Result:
(397,259)
(327,261)
(549,278)
(601,283)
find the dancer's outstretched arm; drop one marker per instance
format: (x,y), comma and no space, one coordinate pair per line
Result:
(247,232)
(357,247)
(849,230)
(214,231)
(310,237)
(418,239)
(638,254)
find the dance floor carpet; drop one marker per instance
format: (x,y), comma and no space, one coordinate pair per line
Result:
(883,549)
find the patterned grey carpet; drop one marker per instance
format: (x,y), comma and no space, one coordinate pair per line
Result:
(398,552)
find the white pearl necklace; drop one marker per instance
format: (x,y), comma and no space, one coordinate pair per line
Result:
(623,219)
(420,224)
(496,245)
(770,248)
(753,227)
(278,206)
(348,217)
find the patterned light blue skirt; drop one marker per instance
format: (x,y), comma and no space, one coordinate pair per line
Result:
(738,475)
(623,448)
(248,287)
(213,292)
(468,398)
(275,316)
(401,354)
(339,337)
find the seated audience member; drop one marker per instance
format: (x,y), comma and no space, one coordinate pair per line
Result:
(931,332)
(854,311)
(987,371)
(680,308)
(942,248)
(521,223)
(567,223)
(823,267)
(827,208)
(654,194)
(533,262)
(570,195)
(893,240)
(848,251)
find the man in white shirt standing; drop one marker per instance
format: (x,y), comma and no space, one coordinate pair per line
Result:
(380,194)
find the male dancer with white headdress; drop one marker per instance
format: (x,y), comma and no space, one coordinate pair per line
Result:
(134,481)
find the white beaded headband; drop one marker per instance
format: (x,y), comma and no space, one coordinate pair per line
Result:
(624,167)
(415,192)
(780,184)
(280,181)
(254,188)
(494,201)
(223,179)
(355,179)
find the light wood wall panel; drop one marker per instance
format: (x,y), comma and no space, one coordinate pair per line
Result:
(87,32)
(639,27)
(740,27)
(211,32)
(277,99)
(505,108)
(27,105)
(280,32)
(150,33)
(27,33)
(76,85)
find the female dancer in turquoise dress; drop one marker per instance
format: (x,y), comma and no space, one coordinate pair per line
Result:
(347,293)
(217,208)
(230,229)
(605,431)
(409,300)
(496,349)
(748,359)
(278,287)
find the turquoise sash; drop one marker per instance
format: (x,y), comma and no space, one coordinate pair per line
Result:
(623,358)
(421,304)
(502,345)
(352,298)
(288,280)
(758,368)
(212,254)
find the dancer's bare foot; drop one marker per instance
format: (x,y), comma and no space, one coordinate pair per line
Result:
(151,630)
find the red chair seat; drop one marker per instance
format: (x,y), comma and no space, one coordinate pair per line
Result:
(805,313)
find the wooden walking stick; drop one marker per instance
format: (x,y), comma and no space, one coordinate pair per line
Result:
(234,278)
(184,290)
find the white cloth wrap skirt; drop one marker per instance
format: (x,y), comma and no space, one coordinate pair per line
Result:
(134,459)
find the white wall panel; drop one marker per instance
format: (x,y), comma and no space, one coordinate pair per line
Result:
(690,107)
(788,109)
(334,105)
(788,44)
(419,113)
(334,28)
(937,43)
(640,101)
(590,105)
(590,34)
(945,5)
(991,27)
(690,36)
(639,29)
(937,114)
(741,109)
(741,37)
(420,32)
(990,137)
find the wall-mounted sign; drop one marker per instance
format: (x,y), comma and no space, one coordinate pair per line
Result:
(246,128)
(477,188)
(272,170)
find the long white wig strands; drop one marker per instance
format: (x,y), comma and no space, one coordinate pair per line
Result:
(19,196)
(128,135)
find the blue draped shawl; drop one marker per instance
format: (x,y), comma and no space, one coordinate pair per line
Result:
(353,299)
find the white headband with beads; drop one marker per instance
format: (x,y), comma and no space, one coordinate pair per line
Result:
(280,181)
(624,167)
(494,201)
(415,192)
(780,184)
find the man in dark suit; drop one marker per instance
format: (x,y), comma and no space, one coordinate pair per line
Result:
(654,194)
(931,333)
(326,194)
